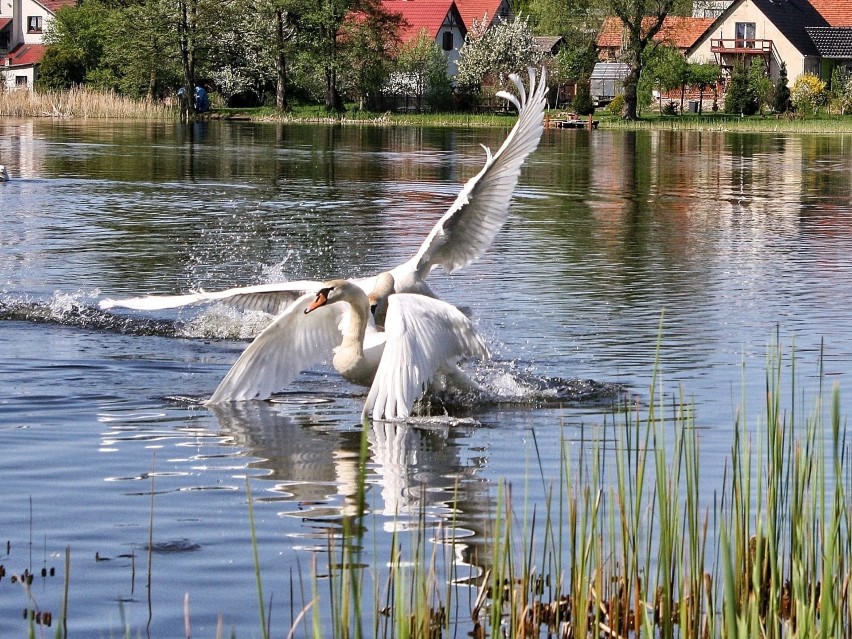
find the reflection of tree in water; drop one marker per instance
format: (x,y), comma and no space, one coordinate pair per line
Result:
(426,475)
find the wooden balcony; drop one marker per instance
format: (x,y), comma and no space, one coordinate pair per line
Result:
(748,46)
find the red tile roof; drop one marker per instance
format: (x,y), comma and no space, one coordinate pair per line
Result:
(677,31)
(24,55)
(4,22)
(53,5)
(838,13)
(418,15)
(479,10)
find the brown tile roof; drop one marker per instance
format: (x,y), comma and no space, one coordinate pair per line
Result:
(53,5)
(24,55)
(677,31)
(479,10)
(419,15)
(838,13)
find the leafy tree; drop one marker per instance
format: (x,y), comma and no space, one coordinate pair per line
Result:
(703,75)
(739,97)
(642,20)
(666,69)
(846,96)
(781,95)
(420,71)
(759,83)
(75,39)
(808,93)
(141,51)
(490,56)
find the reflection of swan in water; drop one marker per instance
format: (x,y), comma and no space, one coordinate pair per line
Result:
(422,337)
(4,174)
(461,236)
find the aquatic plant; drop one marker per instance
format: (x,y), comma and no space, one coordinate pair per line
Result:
(80,102)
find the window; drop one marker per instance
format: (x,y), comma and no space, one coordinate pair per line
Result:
(4,39)
(448,43)
(745,35)
(34,24)
(20,80)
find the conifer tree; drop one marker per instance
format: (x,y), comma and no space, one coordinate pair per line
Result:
(781,97)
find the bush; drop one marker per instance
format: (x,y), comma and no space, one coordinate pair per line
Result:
(808,93)
(740,97)
(616,105)
(781,95)
(669,108)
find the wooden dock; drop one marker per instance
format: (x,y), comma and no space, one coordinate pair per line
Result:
(570,121)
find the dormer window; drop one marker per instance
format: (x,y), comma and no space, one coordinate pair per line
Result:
(33,24)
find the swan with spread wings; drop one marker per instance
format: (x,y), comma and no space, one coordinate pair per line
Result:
(462,235)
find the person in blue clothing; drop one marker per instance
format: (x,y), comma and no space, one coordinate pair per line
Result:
(200,99)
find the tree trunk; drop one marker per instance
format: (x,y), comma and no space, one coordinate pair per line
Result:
(280,63)
(333,99)
(631,95)
(186,30)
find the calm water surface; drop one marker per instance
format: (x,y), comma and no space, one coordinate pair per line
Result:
(735,240)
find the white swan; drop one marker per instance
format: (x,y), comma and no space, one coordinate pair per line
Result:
(461,236)
(422,337)
(4,174)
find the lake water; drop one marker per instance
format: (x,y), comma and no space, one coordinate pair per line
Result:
(735,240)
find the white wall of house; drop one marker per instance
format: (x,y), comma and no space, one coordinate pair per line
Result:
(453,52)
(19,77)
(764,29)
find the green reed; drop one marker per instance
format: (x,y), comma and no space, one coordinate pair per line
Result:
(631,540)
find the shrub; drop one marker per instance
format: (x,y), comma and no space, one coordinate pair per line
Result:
(669,108)
(781,95)
(582,103)
(616,105)
(739,97)
(808,93)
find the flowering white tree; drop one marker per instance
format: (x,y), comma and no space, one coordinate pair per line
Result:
(489,56)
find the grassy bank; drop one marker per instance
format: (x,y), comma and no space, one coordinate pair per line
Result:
(82,103)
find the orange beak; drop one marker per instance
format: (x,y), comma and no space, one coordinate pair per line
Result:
(319,301)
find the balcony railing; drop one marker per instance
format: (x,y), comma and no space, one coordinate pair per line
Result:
(741,45)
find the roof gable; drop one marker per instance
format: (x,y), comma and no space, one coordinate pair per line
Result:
(420,15)
(838,13)
(481,11)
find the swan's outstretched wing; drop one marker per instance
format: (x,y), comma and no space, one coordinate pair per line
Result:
(268,298)
(468,228)
(422,334)
(292,343)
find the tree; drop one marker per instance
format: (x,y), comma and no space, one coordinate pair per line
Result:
(739,96)
(759,83)
(781,96)
(703,75)
(642,20)
(420,71)
(582,103)
(75,39)
(664,68)
(490,56)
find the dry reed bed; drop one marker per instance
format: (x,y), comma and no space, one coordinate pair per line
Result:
(81,103)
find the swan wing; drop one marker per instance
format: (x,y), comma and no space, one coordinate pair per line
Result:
(468,228)
(421,334)
(268,298)
(290,344)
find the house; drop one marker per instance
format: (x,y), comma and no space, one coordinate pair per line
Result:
(773,32)
(439,19)
(833,42)
(22,25)
(484,13)
(677,31)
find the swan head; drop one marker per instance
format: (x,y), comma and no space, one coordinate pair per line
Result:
(4,174)
(378,298)
(333,291)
